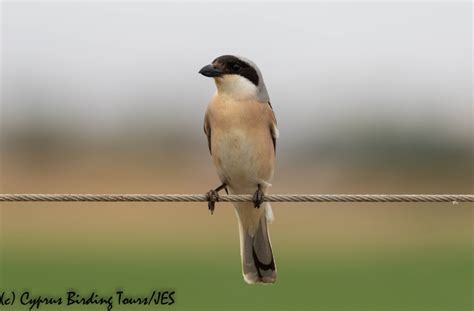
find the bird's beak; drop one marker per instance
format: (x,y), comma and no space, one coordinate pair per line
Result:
(210,71)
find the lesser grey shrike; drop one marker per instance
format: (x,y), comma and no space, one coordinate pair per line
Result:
(241,130)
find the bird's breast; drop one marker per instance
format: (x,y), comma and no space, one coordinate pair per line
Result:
(242,147)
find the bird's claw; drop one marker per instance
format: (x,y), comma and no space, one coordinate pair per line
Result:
(212,197)
(258,198)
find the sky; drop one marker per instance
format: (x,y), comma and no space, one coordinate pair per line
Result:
(101,68)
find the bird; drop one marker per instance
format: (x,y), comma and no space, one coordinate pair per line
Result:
(241,131)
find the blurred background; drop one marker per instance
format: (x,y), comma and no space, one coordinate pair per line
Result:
(104,97)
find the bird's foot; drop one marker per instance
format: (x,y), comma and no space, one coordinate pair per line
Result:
(258,198)
(212,197)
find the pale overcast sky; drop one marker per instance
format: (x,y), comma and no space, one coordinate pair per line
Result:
(326,65)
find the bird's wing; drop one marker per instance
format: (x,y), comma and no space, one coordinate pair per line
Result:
(273,127)
(207,131)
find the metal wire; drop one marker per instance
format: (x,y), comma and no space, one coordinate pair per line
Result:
(380,198)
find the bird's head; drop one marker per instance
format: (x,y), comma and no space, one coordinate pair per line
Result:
(237,77)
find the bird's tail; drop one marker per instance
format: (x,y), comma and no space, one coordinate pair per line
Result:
(258,264)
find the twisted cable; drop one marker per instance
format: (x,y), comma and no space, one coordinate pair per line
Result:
(292,198)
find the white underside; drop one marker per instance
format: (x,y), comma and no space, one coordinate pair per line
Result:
(239,163)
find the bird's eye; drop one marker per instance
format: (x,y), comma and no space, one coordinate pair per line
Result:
(235,67)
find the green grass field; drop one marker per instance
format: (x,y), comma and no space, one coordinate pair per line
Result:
(209,279)
(329,257)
